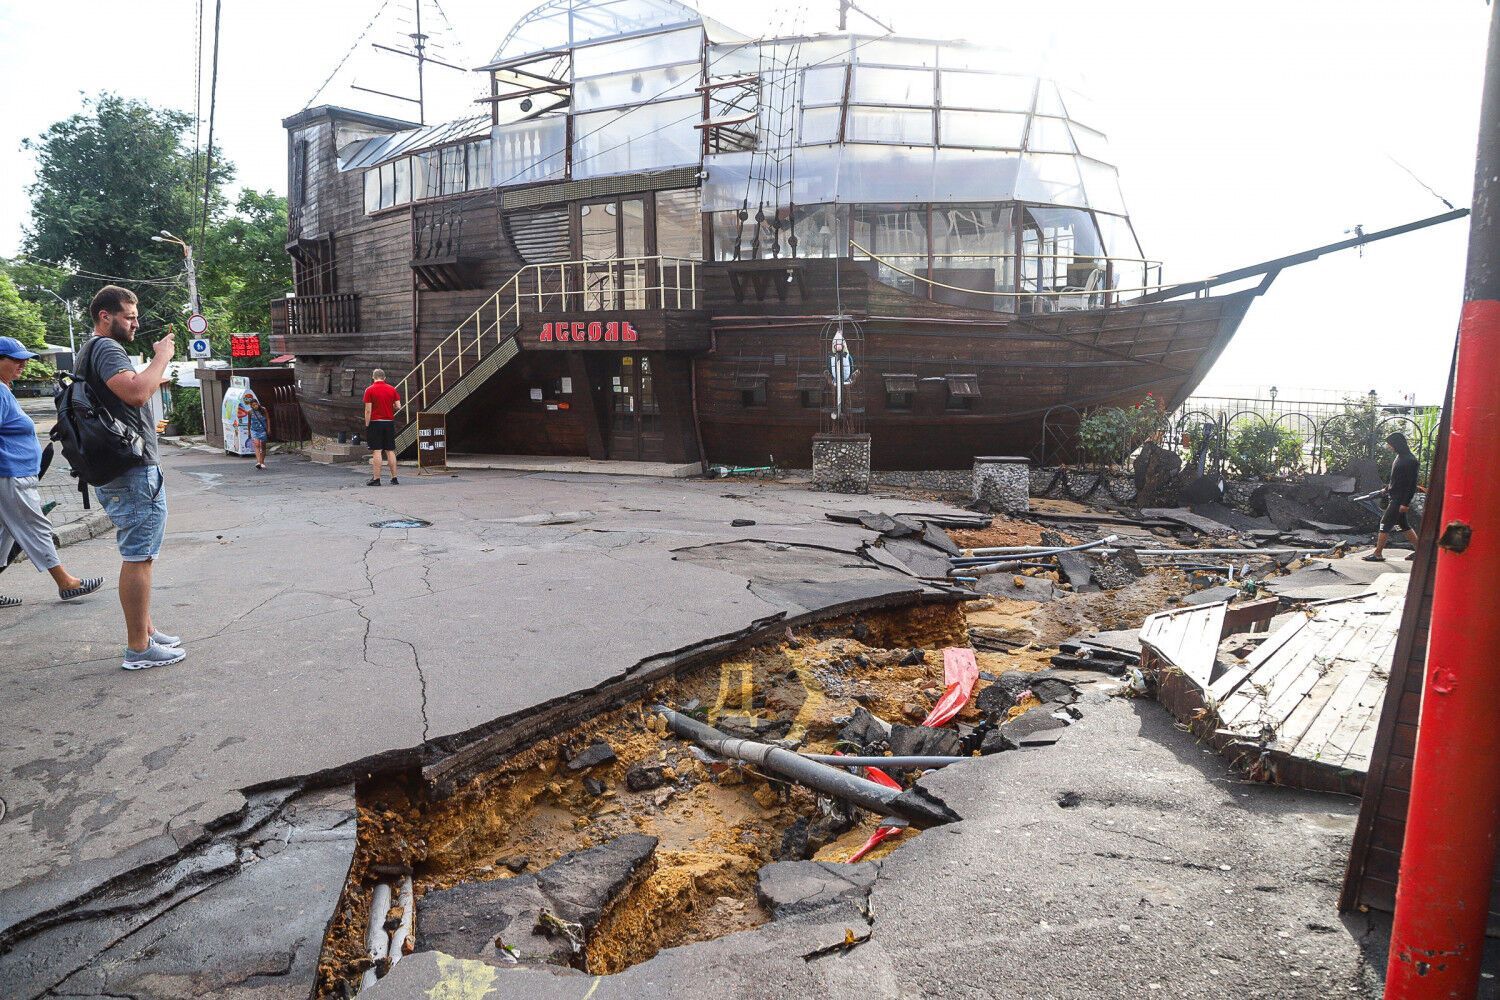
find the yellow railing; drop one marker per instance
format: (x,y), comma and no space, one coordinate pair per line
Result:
(575,286)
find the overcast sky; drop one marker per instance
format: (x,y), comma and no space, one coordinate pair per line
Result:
(1242,132)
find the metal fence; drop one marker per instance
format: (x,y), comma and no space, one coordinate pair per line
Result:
(1260,438)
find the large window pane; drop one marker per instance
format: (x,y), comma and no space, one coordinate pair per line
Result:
(820,125)
(1050,178)
(1049,135)
(387,185)
(679,226)
(403,180)
(1102,186)
(1090,142)
(823,85)
(973,255)
(429,174)
(635,87)
(879,85)
(901,232)
(822,231)
(649,137)
(898,53)
(630,53)
(479,164)
(372,190)
(912,128)
(453,169)
(997,91)
(982,129)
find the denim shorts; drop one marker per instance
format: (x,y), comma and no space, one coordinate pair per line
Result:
(137,504)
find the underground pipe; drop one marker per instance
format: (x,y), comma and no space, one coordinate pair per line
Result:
(377,941)
(1040,550)
(402,933)
(838,760)
(913,805)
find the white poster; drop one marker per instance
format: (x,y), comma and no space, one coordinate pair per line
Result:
(536,394)
(567,386)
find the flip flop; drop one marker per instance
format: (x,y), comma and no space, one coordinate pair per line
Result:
(1372,557)
(10,602)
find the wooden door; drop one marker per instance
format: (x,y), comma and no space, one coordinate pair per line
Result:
(635,425)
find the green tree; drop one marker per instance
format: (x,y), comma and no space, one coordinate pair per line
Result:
(19,318)
(243,265)
(108,179)
(30,279)
(1110,434)
(1358,435)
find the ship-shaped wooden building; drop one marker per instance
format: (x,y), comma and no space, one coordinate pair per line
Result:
(644,244)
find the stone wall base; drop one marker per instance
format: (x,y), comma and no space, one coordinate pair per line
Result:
(1003,482)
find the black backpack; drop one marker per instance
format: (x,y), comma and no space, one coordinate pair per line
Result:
(98,447)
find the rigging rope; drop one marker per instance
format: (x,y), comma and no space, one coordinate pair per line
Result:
(213,96)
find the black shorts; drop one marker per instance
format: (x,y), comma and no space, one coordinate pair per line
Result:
(1394,518)
(381,435)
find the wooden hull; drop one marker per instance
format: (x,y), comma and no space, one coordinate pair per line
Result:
(1035,373)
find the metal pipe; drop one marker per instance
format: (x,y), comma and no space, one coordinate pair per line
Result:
(377,941)
(1041,550)
(1448,858)
(861,792)
(838,760)
(402,933)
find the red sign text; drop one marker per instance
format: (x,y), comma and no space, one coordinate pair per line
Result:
(592,332)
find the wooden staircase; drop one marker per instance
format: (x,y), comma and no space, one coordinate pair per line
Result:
(486,341)
(462,362)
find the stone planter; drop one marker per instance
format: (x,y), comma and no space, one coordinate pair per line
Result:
(841,463)
(1003,482)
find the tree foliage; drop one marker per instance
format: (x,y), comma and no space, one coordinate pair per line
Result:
(244,265)
(1358,435)
(19,318)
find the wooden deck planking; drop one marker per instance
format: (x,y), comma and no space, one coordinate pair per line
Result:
(1189,637)
(1311,695)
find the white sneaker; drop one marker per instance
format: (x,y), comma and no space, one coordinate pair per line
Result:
(152,656)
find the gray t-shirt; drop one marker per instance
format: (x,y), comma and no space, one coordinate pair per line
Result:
(104,358)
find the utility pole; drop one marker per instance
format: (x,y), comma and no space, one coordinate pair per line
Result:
(1448,859)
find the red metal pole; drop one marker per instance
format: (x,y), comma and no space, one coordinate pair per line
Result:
(1448,859)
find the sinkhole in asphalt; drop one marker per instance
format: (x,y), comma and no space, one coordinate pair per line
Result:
(495,862)
(401,522)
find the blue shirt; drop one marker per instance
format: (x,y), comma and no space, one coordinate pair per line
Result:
(20,451)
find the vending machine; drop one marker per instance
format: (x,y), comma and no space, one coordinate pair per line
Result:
(236,417)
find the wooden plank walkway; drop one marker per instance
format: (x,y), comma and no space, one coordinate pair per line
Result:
(1303,708)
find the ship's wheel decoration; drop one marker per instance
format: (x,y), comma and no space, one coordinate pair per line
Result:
(841,354)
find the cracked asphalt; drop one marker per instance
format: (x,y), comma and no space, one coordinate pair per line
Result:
(316,641)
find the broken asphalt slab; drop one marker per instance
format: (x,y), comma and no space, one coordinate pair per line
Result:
(366,646)
(1123,861)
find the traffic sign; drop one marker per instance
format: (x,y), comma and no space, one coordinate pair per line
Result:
(197,325)
(198,348)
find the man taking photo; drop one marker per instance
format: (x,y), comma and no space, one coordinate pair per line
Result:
(136,501)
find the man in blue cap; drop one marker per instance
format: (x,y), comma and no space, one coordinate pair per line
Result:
(21,519)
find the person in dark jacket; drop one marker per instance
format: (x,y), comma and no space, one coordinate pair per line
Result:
(1398,492)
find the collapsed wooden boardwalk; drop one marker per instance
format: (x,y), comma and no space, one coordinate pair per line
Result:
(1302,708)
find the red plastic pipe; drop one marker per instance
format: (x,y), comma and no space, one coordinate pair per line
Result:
(1448,859)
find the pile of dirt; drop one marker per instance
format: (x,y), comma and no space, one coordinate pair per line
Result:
(1000,532)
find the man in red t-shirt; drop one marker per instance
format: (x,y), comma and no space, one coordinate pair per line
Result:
(381,403)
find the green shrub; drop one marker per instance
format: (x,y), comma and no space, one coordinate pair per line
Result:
(187,409)
(1258,448)
(1107,436)
(1358,435)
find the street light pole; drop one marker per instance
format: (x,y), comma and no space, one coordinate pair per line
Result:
(67,311)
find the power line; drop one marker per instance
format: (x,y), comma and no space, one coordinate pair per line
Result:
(213,95)
(81,273)
(197,95)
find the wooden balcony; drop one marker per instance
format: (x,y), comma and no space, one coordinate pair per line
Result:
(309,321)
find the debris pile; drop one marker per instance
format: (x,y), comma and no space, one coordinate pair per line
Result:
(688,814)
